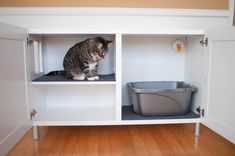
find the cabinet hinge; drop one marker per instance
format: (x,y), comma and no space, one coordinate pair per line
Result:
(204,42)
(201,111)
(32,114)
(29,41)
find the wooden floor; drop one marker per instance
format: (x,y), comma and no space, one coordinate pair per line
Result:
(148,140)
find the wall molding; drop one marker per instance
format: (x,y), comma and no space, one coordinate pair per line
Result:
(186,4)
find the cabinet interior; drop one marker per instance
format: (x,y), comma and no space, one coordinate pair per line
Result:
(55,46)
(143,58)
(152,58)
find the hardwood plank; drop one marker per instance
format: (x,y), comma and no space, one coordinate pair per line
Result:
(29,146)
(48,140)
(185,139)
(172,141)
(145,140)
(69,146)
(82,141)
(215,143)
(93,142)
(104,142)
(59,141)
(138,142)
(150,143)
(116,144)
(161,142)
(127,142)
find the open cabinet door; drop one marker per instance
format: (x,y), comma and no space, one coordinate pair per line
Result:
(219,100)
(14,113)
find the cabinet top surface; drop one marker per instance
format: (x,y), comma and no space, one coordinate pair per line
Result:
(112,32)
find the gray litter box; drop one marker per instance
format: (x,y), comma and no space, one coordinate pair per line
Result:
(160,98)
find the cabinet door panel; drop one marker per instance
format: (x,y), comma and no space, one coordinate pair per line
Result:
(220,73)
(14,116)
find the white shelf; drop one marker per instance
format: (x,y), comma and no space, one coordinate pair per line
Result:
(160,121)
(65,116)
(60,80)
(171,32)
(75,116)
(183,32)
(74,83)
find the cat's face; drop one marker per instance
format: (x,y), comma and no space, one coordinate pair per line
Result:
(102,47)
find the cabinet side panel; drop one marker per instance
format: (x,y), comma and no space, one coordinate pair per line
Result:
(194,57)
(118,97)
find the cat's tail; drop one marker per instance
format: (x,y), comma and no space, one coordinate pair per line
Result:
(56,73)
(60,73)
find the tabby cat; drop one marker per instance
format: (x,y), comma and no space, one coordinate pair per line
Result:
(81,60)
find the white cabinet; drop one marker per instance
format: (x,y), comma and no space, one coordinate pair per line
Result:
(61,102)
(219,83)
(136,57)
(14,113)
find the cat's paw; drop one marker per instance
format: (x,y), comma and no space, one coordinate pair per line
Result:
(79,77)
(93,78)
(96,77)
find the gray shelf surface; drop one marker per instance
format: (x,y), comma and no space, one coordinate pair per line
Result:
(44,78)
(129,114)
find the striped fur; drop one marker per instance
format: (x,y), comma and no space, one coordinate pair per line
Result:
(81,60)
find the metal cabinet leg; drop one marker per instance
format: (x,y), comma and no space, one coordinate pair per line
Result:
(35,133)
(197,129)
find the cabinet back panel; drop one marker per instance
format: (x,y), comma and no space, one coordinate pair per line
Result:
(150,58)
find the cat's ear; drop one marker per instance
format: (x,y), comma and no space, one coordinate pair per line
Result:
(108,41)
